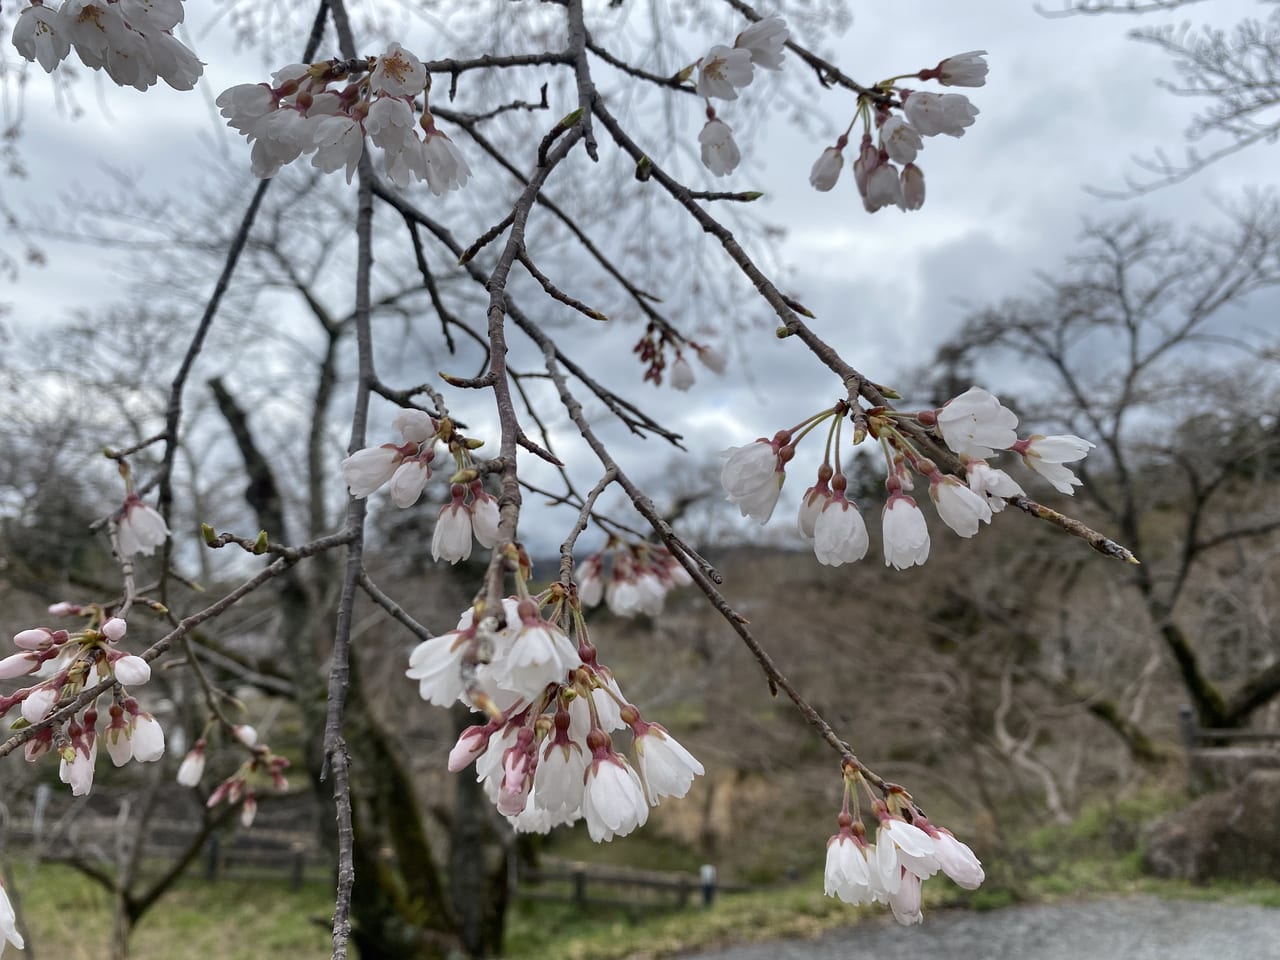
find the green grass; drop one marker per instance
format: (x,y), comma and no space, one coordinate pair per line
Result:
(69,917)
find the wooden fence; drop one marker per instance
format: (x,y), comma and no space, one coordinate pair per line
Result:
(582,883)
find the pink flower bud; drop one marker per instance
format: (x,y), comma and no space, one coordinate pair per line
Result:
(18,665)
(114,629)
(34,639)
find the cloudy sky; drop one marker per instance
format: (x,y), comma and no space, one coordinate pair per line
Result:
(1068,104)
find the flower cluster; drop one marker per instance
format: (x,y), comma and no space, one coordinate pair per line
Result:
(901,137)
(132,40)
(652,348)
(973,425)
(639,579)
(545,754)
(724,70)
(406,468)
(303,111)
(71,663)
(891,869)
(241,786)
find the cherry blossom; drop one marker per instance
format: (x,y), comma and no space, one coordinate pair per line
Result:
(935,113)
(900,140)
(722,71)
(1046,456)
(976,424)
(667,769)
(142,528)
(905,532)
(191,770)
(8,923)
(451,539)
(991,483)
(839,532)
(681,374)
(764,40)
(962,70)
(719,152)
(752,477)
(613,800)
(826,169)
(959,507)
(912,187)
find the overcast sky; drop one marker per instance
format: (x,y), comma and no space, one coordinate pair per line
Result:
(1069,102)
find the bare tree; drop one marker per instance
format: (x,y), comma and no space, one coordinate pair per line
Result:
(1143,355)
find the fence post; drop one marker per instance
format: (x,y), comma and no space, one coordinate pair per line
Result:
(1187,724)
(299,857)
(211,862)
(579,886)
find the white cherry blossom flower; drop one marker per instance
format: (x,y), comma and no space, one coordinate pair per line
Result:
(174,62)
(682,377)
(38,704)
(712,359)
(368,469)
(884,188)
(540,654)
(613,800)
(667,769)
(191,770)
(847,874)
(991,483)
(244,106)
(437,666)
(765,40)
(826,169)
(963,70)
(558,783)
(839,532)
(1046,456)
(451,539)
(416,426)
(446,167)
(398,73)
(935,113)
(114,629)
(752,477)
(78,773)
(959,507)
(131,671)
(976,424)
(339,142)
(141,528)
(157,14)
(900,140)
(8,923)
(719,152)
(246,735)
(408,482)
(957,860)
(905,533)
(485,517)
(912,187)
(590,579)
(905,901)
(36,38)
(147,737)
(722,71)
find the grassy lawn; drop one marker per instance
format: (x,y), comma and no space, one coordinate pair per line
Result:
(69,917)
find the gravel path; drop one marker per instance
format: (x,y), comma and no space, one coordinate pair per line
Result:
(1140,928)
